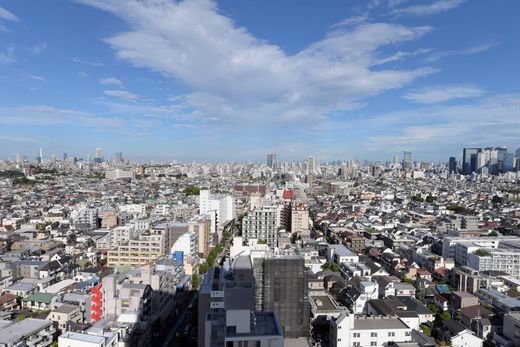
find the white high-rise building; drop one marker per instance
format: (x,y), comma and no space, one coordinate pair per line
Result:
(222,205)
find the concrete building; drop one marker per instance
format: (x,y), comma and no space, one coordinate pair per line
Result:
(119,174)
(261,224)
(28,332)
(222,205)
(146,248)
(226,310)
(361,331)
(300,218)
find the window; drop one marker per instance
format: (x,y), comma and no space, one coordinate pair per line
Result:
(391,334)
(357,334)
(407,333)
(357,344)
(373,343)
(373,334)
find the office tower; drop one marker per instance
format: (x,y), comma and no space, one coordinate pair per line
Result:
(65,156)
(452,166)
(19,158)
(271,160)
(99,156)
(261,224)
(311,164)
(469,160)
(285,291)
(509,162)
(517,153)
(119,158)
(407,160)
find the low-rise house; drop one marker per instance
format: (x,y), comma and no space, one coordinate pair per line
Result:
(38,301)
(22,289)
(457,334)
(65,314)
(8,302)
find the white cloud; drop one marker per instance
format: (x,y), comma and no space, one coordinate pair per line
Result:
(438,94)
(429,9)
(490,121)
(111,81)
(236,76)
(38,49)
(4,14)
(36,77)
(82,74)
(84,61)
(356,20)
(18,139)
(41,115)
(121,94)
(461,52)
(7,56)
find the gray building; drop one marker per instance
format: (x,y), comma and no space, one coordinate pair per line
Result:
(281,282)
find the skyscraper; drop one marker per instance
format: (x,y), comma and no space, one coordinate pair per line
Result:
(19,158)
(99,156)
(452,166)
(407,160)
(271,160)
(65,156)
(469,160)
(119,158)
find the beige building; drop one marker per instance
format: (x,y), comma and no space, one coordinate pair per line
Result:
(300,218)
(108,219)
(147,247)
(65,313)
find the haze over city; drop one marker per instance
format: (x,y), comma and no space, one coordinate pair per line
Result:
(232,80)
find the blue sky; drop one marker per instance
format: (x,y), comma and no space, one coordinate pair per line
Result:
(233,80)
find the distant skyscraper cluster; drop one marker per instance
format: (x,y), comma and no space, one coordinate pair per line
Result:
(489,160)
(271,160)
(407,160)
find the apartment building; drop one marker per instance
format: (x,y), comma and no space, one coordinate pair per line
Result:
(300,218)
(146,248)
(261,224)
(28,332)
(363,331)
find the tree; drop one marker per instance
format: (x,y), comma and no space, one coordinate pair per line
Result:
(493,233)
(195,280)
(191,190)
(293,237)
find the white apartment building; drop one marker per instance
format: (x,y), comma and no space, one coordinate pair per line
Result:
(224,205)
(261,224)
(135,209)
(502,259)
(486,253)
(363,331)
(187,243)
(340,254)
(119,174)
(123,234)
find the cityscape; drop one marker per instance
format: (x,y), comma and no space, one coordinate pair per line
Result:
(212,173)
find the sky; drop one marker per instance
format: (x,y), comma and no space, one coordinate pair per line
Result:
(233,80)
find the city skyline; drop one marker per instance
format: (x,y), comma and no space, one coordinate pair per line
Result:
(344,80)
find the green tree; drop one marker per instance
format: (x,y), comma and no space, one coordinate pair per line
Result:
(195,280)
